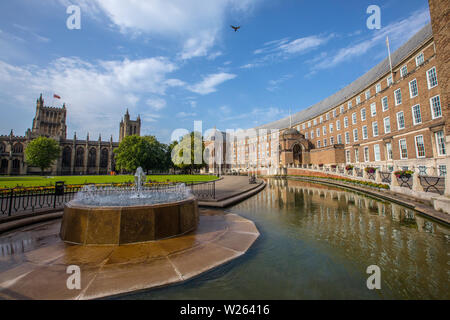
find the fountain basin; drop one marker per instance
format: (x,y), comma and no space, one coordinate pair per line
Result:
(96,225)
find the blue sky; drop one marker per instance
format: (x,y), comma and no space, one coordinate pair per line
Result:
(176,61)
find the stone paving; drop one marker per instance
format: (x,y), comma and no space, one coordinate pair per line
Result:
(34,261)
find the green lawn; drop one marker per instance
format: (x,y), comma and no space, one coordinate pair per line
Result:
(33,181)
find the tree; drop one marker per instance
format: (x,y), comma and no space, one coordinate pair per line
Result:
(146,152)
(42,152)
(188,153)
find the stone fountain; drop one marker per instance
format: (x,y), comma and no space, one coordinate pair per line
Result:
(118,216)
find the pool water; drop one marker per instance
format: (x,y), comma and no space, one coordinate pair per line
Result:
(318,241)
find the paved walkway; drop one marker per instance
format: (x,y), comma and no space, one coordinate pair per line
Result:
(34,261)
(233,189)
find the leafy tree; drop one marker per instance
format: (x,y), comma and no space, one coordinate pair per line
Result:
(42,152)
(146,152)
(192,144)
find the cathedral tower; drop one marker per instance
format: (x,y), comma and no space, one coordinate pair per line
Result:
(129,127)
(49,121)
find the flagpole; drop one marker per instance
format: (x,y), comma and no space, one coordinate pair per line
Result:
(390,60)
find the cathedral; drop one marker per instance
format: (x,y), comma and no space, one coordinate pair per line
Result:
(78,157)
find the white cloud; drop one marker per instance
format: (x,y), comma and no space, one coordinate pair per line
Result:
(398,32)
(210,82)
(225,109)
(198,21)
(156,103)
(97,94)
(275,84)
(183,114)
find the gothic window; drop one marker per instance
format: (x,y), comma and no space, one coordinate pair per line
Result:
(67,156)
(92,158)
(104,158)
(2,148)
(79,162)
(16,164)
(18,148)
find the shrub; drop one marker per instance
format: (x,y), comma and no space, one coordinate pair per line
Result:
(349,167)
(371,170)
(404,173)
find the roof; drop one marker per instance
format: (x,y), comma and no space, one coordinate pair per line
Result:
(358,85)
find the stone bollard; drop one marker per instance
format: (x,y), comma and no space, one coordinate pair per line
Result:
(378,176)
(417,186)
(394,181)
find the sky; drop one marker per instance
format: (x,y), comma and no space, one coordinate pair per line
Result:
(179,61)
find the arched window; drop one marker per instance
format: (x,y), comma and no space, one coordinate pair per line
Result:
(104,158)
(2,148)
(18,148)
(92,158)
(79,161)
(67,157)
(297,150)
(16,164)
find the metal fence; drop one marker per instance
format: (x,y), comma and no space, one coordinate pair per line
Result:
(33,200)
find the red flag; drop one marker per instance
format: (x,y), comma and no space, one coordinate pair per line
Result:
(56,96)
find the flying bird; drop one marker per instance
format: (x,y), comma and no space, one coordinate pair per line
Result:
(236,28)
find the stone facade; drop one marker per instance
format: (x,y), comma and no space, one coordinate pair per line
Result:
(78,157)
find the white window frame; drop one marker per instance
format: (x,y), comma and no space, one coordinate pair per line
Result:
(367,94)
(378,88)
(395,97)
(354,118)
(440,137)
(400,148)
(417,59)
(318,133)
(346,122)
(414,115)
(363,114)
(375,125)
(411,95)
(347,137)
(373,109)
(385,108)
(389,81)
(338,125)
(339,138)
(356,155)
(358,100)
(355,135)
(428,78)
(324,130)
(398,122)
(417,147)
(365,133)
(402,73)
(377,152)
(366,154)
(389,152)
(349,105)
(433,116)
(331,128)
(384,123)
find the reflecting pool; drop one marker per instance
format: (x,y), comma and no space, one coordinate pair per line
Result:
(317,242)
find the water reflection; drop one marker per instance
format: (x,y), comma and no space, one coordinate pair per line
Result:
(317,242)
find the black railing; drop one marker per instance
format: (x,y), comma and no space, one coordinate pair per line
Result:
(405,181)
(433,184)
(385,177)
(39,199)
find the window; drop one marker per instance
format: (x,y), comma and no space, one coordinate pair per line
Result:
(389,81)
(356,155)
(398,97)
(363,114)
(366,154)
(346,122)
(315,122)
(375,129)
(303,126)
(442,170)
(318,143)
(347,156)
(324,142)
(417,117)
(419,59)
(309,124)
(403,149)
(312,134)
(306,135)
(347,138)
(318,133)
(331,128)
(338,125)
(321,119)
(413,91)
(387,125)
(378,88)
(400,121)
(358,100)
(365,133)
(339,139)
(384,103)
(332,141)
(435,103)
(420,147)
(376,151)
(389,154)
(440,142)
(404,71)
(342,109)
(327,116)
(354,118)
(432,78)
(324,128)
(373,109)
(368,94)
(349,105)
(334,113)
(355,135)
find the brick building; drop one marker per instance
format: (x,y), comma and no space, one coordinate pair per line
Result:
(383,119)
